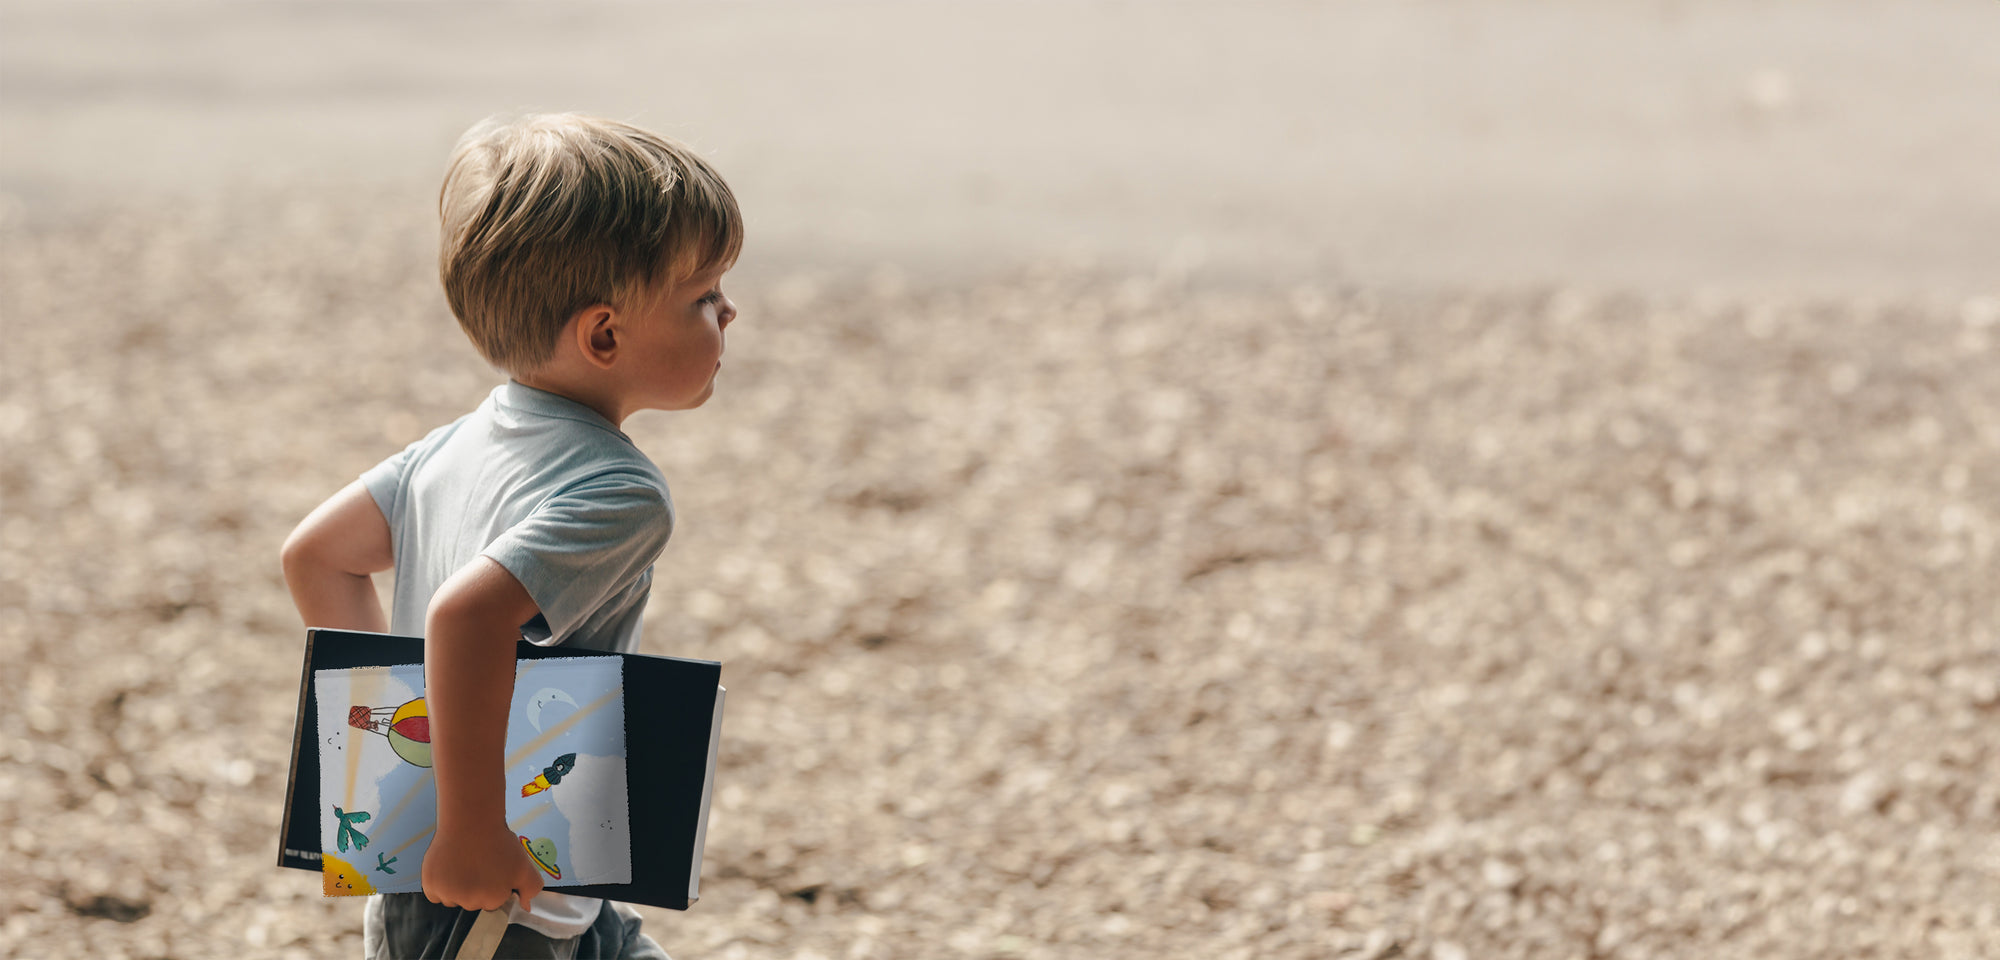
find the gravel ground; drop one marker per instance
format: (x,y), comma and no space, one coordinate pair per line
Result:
(1069,615)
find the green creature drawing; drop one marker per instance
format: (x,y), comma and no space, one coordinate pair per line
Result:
(348,834)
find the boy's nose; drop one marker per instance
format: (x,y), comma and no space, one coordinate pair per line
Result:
(728,314)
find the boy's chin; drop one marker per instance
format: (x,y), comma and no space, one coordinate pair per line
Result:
(689,403)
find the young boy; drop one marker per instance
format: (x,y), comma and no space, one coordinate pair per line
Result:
(584,257)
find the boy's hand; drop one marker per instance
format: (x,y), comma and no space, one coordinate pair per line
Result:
(477,872)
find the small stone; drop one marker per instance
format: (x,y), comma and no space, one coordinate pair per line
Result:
(1864,793)
(1378,944)
(1500,875)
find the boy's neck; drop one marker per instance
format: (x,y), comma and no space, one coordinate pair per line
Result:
(602,400)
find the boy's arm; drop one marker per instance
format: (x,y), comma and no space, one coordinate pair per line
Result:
(474,620)
(329,557)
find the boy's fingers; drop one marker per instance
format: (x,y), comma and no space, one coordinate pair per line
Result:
(533,886)
(527,893)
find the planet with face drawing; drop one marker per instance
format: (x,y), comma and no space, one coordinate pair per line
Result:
(543,851)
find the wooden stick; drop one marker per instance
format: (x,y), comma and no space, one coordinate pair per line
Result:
(484,937)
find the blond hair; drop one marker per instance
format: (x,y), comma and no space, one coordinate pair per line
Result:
(548,215)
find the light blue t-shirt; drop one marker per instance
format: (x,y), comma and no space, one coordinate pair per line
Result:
(547,488)
(557,495)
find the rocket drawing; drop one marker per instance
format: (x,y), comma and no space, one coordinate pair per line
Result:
(550,775)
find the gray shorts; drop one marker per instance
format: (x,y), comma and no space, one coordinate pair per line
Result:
(413,928)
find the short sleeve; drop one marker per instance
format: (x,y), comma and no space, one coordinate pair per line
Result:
(585,545)
(388,481)
(385,482)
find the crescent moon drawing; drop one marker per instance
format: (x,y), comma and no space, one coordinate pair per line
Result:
(543,698)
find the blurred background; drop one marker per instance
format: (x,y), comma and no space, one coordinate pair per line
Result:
(1797,147)
(1430,479)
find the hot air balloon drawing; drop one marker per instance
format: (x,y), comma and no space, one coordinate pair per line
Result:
(408,728)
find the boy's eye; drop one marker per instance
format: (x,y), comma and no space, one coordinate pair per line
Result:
(713,296)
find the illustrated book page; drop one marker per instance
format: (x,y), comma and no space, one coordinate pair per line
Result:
(566,771)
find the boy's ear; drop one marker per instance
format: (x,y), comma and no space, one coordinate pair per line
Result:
(597,334)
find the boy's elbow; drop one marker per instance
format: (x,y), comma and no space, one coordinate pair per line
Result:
(309,556)
(345,535)
(295,557)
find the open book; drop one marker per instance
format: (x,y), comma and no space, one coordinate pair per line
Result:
(610,764)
